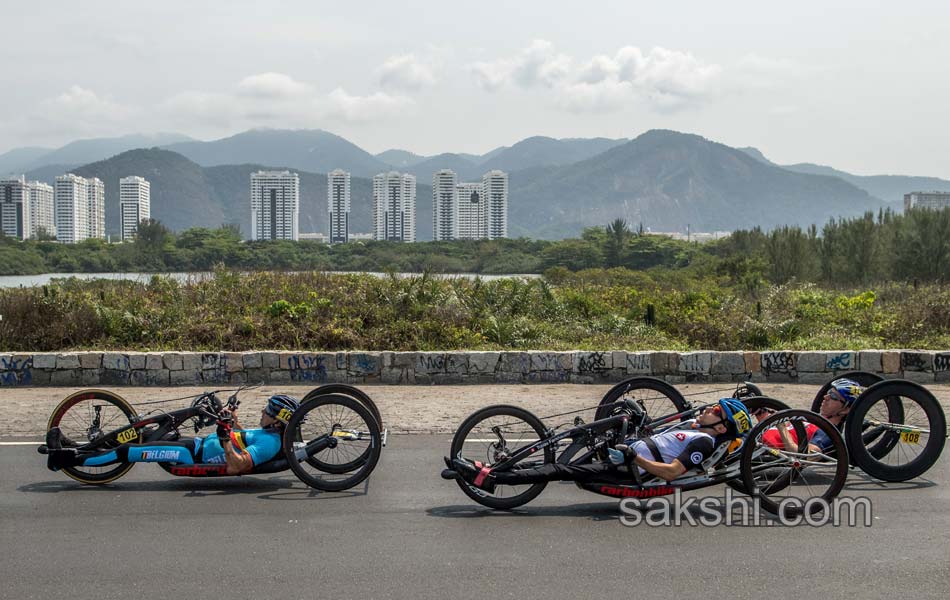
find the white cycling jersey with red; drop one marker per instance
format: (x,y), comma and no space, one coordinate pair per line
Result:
(691,448)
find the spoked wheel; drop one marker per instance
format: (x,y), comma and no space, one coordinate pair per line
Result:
(491,435)
(360,396)
(889,411)
(85,417)
(914,441)
(761,408)
(787,477)
(355,453)
(658,398)
(347,390)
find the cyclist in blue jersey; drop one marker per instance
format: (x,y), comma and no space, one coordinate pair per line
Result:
(240,449)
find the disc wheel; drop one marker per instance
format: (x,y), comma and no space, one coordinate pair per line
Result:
(761,408)
(658,398)
(489,436)
(793,481)
(358,439)
(915,441)
(86,417)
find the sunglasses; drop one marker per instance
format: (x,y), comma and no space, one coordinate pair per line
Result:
(836,396)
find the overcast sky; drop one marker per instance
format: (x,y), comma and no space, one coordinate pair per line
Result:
(861,86)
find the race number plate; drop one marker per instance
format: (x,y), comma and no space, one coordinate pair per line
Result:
(910,437)
(127,436)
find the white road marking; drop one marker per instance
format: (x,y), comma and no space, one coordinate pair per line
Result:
(20,443)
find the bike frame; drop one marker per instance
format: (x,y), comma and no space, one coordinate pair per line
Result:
(726,465)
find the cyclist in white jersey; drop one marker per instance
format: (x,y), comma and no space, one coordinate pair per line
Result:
(666,455)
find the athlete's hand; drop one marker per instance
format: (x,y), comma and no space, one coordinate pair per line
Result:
(224,431)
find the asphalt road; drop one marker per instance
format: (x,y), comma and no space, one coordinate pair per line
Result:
(409,534)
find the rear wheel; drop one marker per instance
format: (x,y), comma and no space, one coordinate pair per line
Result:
(791,481)
(915,440)
(493,434)
(358,442)
(86,417)
(658,398)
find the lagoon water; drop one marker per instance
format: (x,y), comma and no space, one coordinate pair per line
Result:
(9,281)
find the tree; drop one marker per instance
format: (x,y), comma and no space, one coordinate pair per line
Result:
(617,235)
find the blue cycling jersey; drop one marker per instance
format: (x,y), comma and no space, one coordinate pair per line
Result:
(261,444)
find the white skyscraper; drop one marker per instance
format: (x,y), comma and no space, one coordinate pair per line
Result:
(472,212)
(15,208)
(42,212)
(394,207)
(495,189)
(445,201)
(135,204)
(275,205)
(338,203)
(97,208)
(72,208)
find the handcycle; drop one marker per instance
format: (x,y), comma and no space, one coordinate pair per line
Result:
(895,431)
(507,438)
(332,442)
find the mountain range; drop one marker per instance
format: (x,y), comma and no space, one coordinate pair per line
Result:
(663,179)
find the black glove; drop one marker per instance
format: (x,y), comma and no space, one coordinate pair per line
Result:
(224,431)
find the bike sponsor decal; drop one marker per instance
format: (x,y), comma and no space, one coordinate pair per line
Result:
(127,436)
(193,470)
(626,492)
(161,454)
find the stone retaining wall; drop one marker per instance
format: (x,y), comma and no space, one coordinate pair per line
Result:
(197,368)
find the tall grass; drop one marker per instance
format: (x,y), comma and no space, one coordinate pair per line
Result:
(613,308)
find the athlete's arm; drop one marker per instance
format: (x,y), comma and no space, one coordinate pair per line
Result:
(237,462)
(667,471)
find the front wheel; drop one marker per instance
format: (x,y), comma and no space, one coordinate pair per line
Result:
(915,441)
(787,476)
(493,434)
(350,460)
(761,408)
(85,418)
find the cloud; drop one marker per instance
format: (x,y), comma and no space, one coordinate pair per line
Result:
(537,65)
(75,112)
(272,85)
(665,79)
(405,72)
(365,108)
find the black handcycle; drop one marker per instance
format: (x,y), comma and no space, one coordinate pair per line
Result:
(331,443)
(508,438)
(895,431)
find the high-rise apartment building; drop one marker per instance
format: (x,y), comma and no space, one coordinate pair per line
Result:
(97,208)
(275,205)
(495,190)
(15,208)
(42,209)
(394,207)
(72,208)
(135,205)
(338,203)
(934,200)
(472,212)
(445,201)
